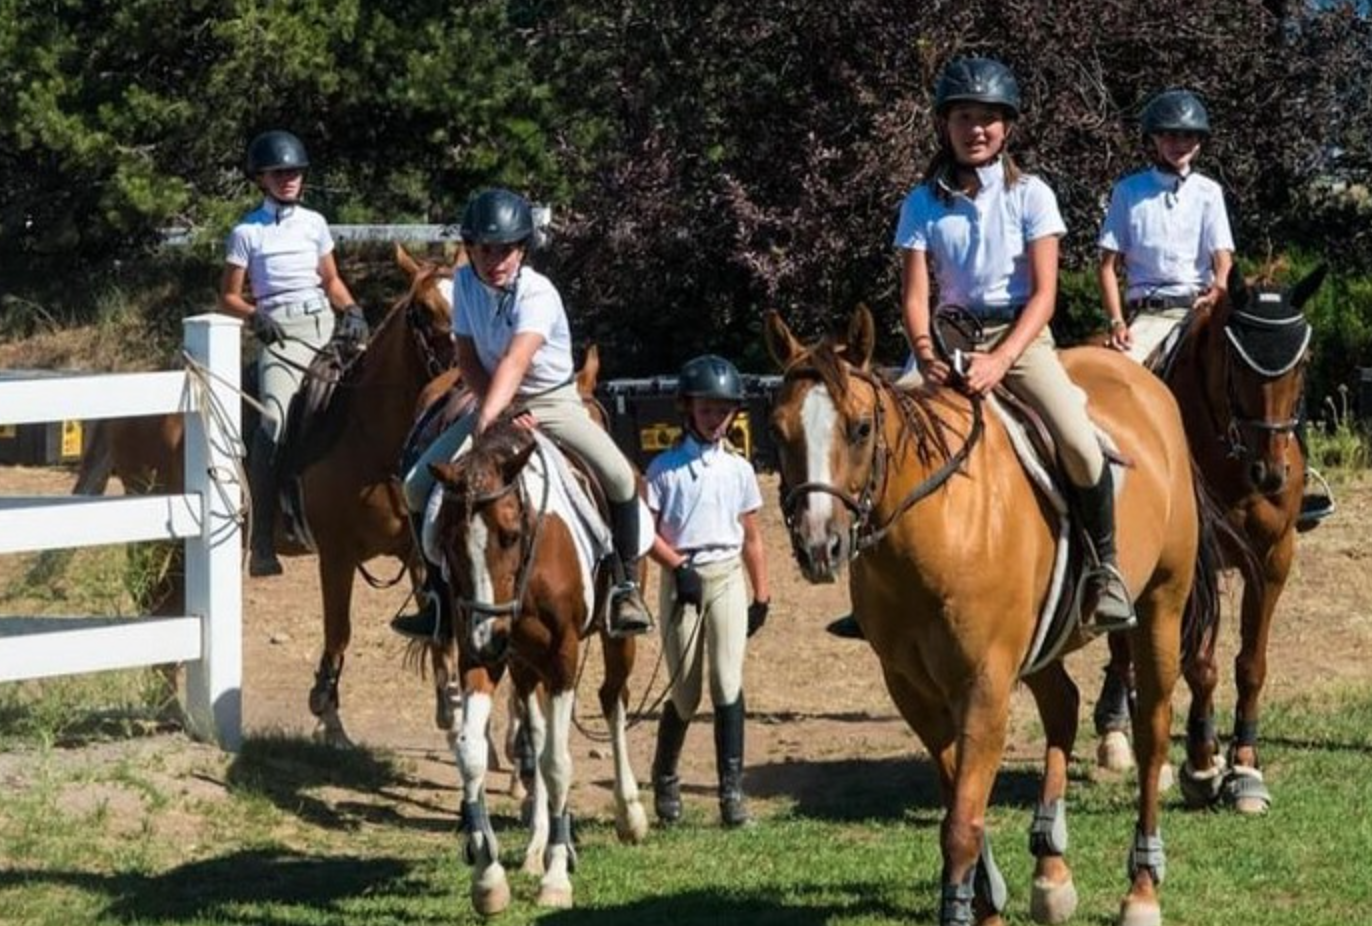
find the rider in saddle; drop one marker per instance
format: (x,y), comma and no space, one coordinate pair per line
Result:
(981,234)
(285,252)
(1168,227)
(705,500)
(514,348)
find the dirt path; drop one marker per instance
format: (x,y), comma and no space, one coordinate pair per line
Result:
(812,699)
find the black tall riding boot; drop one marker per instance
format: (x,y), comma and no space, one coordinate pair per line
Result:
(629,613)
(262,559)
(1114,607)
(430,621)
(671,734)
(729,763)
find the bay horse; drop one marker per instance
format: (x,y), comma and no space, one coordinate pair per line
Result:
(1238,374)
(352,500)
(523,595)
(951,549)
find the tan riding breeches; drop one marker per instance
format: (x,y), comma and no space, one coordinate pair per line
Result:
(280,367)
(1150,329)
(1039,378)
(717,632)
(562,416)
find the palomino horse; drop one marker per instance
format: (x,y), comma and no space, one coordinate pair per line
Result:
(352,499)
(523,596)
(1238,373)
(952,551)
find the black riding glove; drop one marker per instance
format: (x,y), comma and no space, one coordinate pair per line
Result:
(267,329)
(688,586)
(352,325)
(757,616)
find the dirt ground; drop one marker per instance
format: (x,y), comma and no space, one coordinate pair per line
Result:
(812,699)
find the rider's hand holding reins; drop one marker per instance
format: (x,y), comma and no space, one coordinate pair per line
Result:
(689,589)
(1121,338)
(352,325)
(266,329)
(985,371)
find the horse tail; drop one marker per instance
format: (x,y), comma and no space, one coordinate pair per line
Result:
(97,461)
(1202,613)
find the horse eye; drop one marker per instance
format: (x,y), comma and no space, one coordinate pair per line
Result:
(859,431)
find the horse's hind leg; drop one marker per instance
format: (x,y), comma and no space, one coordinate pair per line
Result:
(1203,774)
(1054,898)
(534,809)
(631,821)
(336,588)
(1114,708)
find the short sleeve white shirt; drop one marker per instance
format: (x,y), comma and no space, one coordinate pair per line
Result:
(281,247)
(492,317)
(697,493)
(1167,228)
(977,247)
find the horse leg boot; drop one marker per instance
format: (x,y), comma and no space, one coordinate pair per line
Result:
(262,559)
(729,762)
(431,621)
(671,735)
(1114,607)
(629,613)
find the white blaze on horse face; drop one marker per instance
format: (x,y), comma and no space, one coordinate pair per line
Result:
(818,416)
(483,586)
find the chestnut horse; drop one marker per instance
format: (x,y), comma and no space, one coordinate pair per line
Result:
(523,595)
(952,550)
(353,504)
(1238,373)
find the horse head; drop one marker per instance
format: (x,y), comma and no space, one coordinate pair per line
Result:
(825,433)
(1261,378)
(427,311)
(487,531)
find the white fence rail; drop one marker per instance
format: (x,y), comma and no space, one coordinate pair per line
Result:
(209,638)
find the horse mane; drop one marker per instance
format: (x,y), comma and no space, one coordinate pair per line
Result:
(922,426)
(1275,268)
(501,441)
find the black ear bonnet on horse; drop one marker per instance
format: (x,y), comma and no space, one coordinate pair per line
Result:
(1268,332)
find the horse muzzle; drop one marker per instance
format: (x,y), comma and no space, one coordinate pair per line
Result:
(1268,477)
(820,556)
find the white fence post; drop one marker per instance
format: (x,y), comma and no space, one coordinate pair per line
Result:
(214,585)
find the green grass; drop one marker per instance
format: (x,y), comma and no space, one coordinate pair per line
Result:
(299,834)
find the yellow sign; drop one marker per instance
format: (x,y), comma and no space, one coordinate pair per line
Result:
(661,436)
(71,440)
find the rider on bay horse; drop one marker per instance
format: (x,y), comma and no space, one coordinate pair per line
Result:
(514,348)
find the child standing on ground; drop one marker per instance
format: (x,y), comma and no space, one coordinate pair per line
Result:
(705,499)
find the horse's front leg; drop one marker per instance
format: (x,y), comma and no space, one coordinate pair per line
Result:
(1054,897)
(490,888)
(336,589)
(1244,788)
(555,760)
(631,820)
(535,807)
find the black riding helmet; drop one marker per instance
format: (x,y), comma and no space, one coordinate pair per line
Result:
(976,80)
(275,150)
(497,216)
(1175,111)
(709,376)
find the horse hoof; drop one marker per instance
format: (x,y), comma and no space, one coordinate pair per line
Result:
(490,899)
(556,898)
(1113,753)
(1200,790)
(1243,790)
(631,826)
(1140,913)
(1053,903)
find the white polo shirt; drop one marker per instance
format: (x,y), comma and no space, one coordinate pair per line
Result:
(697,493)
(978,247)
(491,318)
(1167,228)
(281,247)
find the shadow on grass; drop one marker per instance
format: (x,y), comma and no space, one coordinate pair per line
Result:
(292,773)
(264,887)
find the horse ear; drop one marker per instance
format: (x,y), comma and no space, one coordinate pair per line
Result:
(862,337)
(781,344)
(589,374)
(446,473)
(405,261)
(510,468)
(1307,287)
